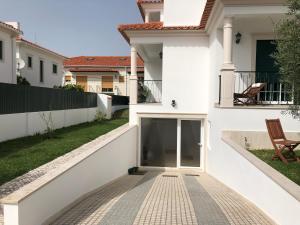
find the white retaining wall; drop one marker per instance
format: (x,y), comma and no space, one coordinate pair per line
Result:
(43,199)
(25,124)
(276,195)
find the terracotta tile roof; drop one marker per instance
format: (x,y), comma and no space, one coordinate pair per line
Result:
(100,69)
(152,26)
(206,13)
(140,2)
(20,39)
(10,27)
(160,26)
(101,61)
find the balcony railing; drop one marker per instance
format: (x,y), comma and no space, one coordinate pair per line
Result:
(275,92)
(149,91)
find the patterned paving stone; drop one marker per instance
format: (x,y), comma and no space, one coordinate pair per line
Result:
(125,210)
(207,210)
(168,202)
(237,209)
(92,209)
(169,198)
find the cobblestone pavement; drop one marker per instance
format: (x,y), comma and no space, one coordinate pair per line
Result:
(168,198)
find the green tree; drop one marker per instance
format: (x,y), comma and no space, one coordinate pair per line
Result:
(288,53)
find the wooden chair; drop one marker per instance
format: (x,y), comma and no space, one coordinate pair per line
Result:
(280,142)
(249,95)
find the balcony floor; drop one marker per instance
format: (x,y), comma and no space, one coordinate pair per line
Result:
(167,198)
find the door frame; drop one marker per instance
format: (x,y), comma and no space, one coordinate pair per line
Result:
(179,117)
(201,146)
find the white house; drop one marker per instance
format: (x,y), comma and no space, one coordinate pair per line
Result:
(197,54)
(8,36)
(101,74)
(43,67)
(39,65)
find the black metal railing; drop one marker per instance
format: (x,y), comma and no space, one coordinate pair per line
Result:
(275,92)
(149,91)
(20,99)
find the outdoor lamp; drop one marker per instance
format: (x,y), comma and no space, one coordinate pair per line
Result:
(238,38)
(173,103)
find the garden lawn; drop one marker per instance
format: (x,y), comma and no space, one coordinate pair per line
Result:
(291,170)
(19,156)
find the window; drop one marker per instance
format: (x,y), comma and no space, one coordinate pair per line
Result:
(54,68)
(41,71)
(107,90)
(121,79)
(107,84)
(1,50)
(29,62)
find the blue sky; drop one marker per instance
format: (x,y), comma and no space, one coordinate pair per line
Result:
(73,27)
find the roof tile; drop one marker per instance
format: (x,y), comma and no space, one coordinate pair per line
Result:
(101,61)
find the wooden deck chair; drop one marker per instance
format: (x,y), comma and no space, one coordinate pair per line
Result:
(249,95)
(280,142)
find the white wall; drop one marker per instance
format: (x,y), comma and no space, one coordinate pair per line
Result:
(33,74)
(185,77)
(105,163)
(8,65)
(183,12)
(25,124)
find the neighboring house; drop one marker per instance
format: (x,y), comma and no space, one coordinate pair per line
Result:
(101,74)
(41,66)
(8,36)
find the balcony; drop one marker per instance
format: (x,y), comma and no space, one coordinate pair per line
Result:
(149,91)
(274,92)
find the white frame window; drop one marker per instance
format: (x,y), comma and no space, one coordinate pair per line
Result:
(54,68)
(1,50)
(41,71)
(29,66)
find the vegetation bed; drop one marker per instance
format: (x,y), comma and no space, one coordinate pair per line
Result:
(291,170)
(22,155)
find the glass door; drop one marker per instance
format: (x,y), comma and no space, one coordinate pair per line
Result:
(190,143)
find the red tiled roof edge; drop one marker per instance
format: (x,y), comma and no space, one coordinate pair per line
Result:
(140,2)
(18,31)
(152,26)
(207,13)
(38,46)
(101,61)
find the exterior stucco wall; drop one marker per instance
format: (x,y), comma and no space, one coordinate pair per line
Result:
(183,12)
(8,64)
(185,67)
(33,74)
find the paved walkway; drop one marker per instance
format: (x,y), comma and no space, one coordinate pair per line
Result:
(167,198)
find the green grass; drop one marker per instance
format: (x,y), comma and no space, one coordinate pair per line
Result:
(291,170)
(19,156)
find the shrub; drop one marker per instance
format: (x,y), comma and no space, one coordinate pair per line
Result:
(22,81)
(73,87)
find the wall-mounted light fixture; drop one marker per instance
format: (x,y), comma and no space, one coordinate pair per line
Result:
(173,104)
(238,38)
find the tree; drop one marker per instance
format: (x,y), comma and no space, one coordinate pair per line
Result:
(287,56)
